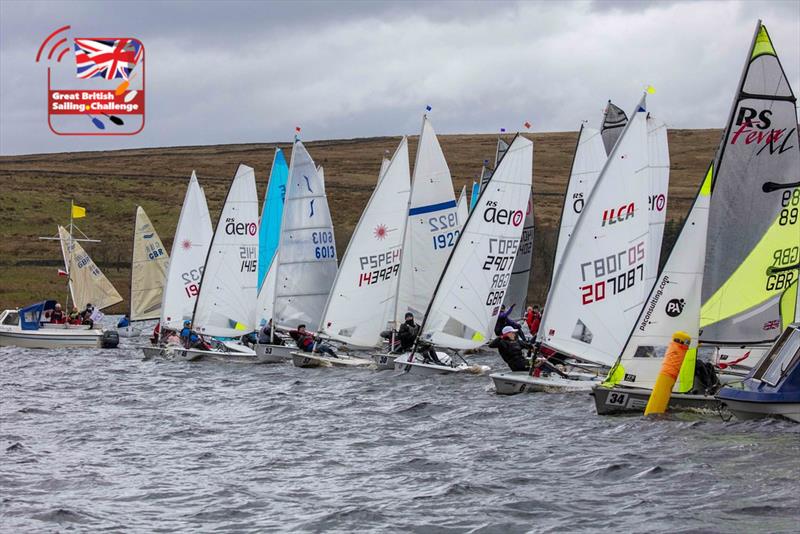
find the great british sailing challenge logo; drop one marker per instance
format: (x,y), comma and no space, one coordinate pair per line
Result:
(102,92)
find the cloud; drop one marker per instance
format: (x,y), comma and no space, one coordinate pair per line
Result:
(249,72)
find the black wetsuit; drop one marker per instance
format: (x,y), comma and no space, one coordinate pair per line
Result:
(512,352)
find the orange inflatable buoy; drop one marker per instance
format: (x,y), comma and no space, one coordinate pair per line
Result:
(673,359)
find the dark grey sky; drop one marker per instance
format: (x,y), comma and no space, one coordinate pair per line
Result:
(231,72)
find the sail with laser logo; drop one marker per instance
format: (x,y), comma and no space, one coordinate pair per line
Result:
(600,285)
(362,300)
(189,250)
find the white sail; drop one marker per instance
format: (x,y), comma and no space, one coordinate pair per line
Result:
(517,292)
(464,309)
(432,228)
(188,256)
(87,284)
(658,168)
(362,301)
(462,208)
(148,269)
(226,304)
(673,304)
(589,158)
(599,286)
(306,259)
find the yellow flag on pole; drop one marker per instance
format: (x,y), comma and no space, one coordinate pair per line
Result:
(78,212)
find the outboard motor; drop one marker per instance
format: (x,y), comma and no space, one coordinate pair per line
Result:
(110,339)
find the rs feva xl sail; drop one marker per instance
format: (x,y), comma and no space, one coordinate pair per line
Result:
(600,284)
(87,283)
(471,289)
(226,304)
(675,300)
(189,250)
(432,228)
(148,269)
(362,300)
(754,220)
(269,233)
(306,259)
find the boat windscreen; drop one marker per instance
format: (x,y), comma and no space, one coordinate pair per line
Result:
(781,358)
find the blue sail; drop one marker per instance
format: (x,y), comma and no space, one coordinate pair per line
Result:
(476,189)
(270,229)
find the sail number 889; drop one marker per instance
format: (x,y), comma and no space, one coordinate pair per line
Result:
(790,212)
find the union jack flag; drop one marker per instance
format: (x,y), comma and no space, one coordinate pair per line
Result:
(106,58)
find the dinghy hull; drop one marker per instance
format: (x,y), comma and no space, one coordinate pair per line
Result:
(511,383)
(310,360)
(129,331)
(274,353)
(384,362)
(627,400)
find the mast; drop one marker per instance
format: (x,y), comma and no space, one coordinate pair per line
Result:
(405,227)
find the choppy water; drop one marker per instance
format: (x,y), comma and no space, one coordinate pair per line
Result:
(93,439)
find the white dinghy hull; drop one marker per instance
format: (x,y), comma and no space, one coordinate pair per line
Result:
(274,353)
(129,331)
(384,362)
(417,367)
(623,399)
(511,383)
(307,360)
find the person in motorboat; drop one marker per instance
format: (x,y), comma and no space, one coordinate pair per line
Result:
(267,337)
(511,349)
(124,322)
(74,316)
(533,319)
(306,341)
(57,316)
(503,320)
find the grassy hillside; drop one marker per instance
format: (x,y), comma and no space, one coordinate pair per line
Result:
(37,190)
